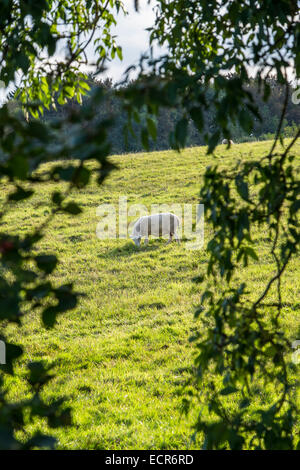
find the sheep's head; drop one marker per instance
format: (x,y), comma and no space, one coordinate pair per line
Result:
(136,239)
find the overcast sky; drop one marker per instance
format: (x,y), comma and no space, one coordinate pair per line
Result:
(132,36)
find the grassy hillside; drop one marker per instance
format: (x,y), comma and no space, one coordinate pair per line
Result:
(123,355)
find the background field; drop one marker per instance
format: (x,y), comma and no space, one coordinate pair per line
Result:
(122,357)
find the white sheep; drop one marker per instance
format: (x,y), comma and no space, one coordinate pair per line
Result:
(156,224)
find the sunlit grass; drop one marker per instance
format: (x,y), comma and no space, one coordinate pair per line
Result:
(123,355)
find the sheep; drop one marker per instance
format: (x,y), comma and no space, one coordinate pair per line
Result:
(225,142)
(156,224)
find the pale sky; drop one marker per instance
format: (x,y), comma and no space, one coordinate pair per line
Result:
(132,36)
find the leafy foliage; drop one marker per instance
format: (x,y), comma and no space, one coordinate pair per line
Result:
(30,33)
(247,346)
(244,345)
(160,128)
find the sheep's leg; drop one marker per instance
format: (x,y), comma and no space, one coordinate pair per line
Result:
(176,238)
(146,241)
(170,239)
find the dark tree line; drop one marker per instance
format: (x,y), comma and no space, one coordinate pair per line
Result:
(112,106)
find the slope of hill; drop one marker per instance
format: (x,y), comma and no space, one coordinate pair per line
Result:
(122,357)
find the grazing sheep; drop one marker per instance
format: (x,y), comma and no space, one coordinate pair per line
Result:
(156,224)
(225,142)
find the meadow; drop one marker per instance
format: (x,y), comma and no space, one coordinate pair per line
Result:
(123,355)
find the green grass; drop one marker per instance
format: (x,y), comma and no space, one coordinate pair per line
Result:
(122,357)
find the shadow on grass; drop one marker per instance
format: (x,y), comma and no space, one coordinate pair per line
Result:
(129,249)
(156,305)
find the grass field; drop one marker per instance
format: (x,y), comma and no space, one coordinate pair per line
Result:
(123,355)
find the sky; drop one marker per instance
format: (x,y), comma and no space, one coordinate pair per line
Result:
(132,36)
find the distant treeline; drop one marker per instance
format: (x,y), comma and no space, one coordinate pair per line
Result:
(270,112)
